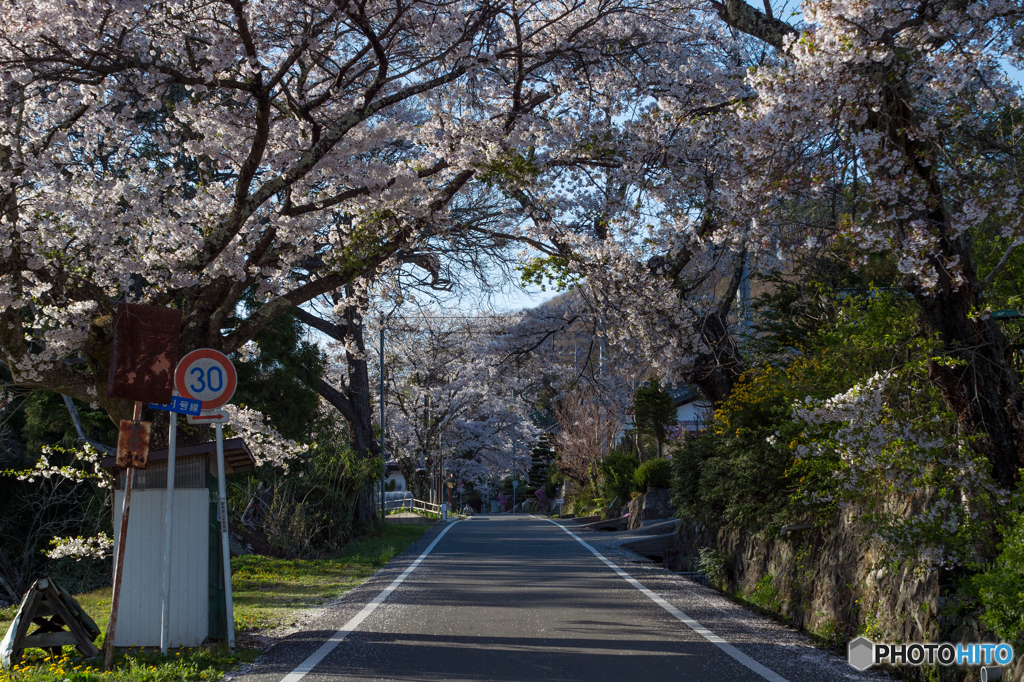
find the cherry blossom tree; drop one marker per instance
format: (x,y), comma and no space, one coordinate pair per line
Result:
(907,111)
(589,426)
(451,403)
(183,153)
(891,127)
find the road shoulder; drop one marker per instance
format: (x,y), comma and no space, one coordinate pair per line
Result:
(781,648)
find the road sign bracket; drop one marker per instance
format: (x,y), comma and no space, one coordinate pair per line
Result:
(209,417)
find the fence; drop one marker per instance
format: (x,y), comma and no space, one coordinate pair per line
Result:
(397,502)
(428,508)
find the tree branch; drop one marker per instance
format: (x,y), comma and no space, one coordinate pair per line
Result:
(744,18)
(1000,265)
(76,419)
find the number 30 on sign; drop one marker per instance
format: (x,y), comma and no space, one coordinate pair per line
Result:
(207,375)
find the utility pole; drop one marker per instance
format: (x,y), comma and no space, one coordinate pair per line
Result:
(515,471)
(383,455)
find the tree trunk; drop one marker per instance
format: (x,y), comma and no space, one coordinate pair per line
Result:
(360,424)
(716,371)
(981,389)
(365,511)
(352,400)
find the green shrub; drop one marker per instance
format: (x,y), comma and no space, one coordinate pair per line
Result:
(618,469)
(553,479)
(687,461)
(765,594)
(712,564)
(314,514)
(656,473)
(1001,588)
(736,481)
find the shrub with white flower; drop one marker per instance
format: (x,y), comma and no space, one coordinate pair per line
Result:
(927,495)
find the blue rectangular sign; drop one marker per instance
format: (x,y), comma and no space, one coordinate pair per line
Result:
(180,405)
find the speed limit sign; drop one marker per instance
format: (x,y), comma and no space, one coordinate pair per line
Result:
(207,375)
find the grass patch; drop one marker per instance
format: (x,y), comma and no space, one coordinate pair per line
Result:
(268,593)
(137,666)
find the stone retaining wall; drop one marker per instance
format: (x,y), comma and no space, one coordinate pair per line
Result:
(835,583)
(654,505)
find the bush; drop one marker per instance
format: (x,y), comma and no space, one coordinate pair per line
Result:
(618,469)
(765,594)
(656,473)
(542,499)
(313,515)
(712,564)
(553,480)
(722,479)
(1001,588)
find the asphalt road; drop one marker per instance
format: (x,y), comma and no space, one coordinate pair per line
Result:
(517,598)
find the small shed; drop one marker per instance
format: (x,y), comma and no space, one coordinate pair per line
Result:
(197,609)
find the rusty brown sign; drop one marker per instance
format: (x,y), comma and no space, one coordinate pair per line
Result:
(145,353)
(133,444)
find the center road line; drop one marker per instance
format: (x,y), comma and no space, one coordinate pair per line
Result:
(338,637)
(682,617)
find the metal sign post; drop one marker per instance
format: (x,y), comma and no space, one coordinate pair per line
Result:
(222,510)
(165,613)
(108,658)
(178,405)
(209,376)
(145,349)
(132,448)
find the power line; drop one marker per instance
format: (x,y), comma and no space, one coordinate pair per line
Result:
(451,317)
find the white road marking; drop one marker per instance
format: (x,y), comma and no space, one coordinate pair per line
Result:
(690,622)
(307,665)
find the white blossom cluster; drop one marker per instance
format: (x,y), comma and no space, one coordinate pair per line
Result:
(78,548)
(267,445)
(450,396)
(204,150)
(722,151)
(859,68)
(86,456)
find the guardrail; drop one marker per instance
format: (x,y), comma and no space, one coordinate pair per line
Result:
(426,507)
(413,505)
(394,506)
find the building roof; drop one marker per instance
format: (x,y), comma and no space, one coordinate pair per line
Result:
(682,394)
(237,456)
